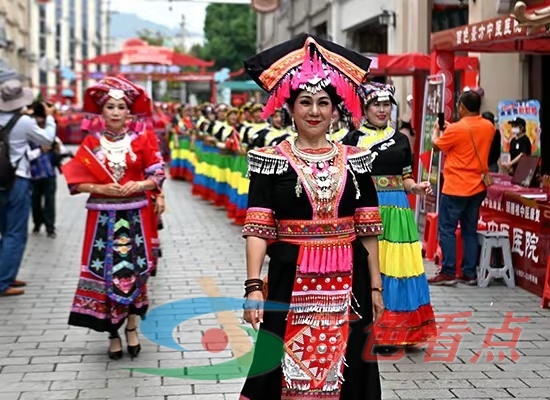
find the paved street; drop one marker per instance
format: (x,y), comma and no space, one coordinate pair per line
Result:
(41,357)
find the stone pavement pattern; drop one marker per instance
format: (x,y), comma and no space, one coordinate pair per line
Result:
(41,357)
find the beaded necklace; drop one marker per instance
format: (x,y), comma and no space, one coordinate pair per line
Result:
(321,178)
(116,147)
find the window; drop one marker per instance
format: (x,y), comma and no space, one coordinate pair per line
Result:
(71,13)
(58,26)
(449,17)
(43,72)
(85,23)
(58,40)
(98,24)
(284,6)
(42,19)
(321,30)
(43,78)
(370,39)
(3,33)
(58,9)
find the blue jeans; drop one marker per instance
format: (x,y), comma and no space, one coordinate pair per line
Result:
(15,207)
(465,209)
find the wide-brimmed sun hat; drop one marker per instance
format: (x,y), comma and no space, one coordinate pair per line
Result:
(13,94)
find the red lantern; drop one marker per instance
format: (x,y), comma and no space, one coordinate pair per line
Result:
(265,6)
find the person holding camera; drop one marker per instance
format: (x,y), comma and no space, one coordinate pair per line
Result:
(18,130)
(466,145)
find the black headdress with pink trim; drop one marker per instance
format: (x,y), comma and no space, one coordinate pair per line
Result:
(309,63)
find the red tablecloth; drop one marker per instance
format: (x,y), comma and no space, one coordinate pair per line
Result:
(503,184)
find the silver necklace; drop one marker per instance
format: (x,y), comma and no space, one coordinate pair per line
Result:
(320,176)
(116,152)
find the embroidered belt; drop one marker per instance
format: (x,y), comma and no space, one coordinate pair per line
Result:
(325,245)
(308,230)
(116,203)
(388,182)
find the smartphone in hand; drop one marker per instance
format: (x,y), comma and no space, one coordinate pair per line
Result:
(441,121)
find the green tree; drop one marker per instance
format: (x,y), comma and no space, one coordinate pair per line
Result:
(197,50)
(152,38)
(230,35)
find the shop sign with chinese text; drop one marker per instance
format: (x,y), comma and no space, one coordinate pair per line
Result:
(527,223)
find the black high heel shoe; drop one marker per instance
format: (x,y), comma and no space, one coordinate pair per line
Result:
(132,350)
(386,350)
(115,355)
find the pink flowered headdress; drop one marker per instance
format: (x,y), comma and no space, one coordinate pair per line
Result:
(309,63)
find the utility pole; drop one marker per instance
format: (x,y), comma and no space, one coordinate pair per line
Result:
(108,21)
(182,26)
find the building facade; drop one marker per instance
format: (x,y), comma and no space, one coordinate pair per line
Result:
(351,23)
(406,28)
(15,35)
(497,69)
(66,32)
(370,28)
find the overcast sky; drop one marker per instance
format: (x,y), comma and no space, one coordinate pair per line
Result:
(159,12)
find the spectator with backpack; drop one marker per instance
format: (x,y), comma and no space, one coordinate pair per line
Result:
(17,130)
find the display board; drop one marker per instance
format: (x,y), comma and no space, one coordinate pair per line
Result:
(434,103)
(529,110)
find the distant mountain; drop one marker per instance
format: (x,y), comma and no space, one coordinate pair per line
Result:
(127,26)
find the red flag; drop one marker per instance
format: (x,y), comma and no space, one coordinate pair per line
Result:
(76,173)
(86,168)
(426,159)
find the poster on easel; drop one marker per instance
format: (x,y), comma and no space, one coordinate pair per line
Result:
(509,110)
(429,166)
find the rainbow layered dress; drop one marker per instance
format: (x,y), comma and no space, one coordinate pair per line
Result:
(408,319)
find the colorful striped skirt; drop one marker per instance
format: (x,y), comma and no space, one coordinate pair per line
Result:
(409,318)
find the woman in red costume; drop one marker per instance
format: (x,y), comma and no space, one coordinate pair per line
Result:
(117,253)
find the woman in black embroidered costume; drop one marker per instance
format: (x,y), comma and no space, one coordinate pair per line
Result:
(408,319)
(313,209)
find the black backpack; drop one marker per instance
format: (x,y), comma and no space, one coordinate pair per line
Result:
(7,169)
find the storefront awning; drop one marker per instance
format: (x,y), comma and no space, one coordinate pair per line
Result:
(408,64)
(521,31)
(136,51)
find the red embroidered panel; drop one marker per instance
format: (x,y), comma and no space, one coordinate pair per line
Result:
(368,221)
(260,222)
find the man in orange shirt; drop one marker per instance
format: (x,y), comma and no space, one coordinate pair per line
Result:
(463,189)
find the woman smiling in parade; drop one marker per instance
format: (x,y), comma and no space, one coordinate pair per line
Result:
(408,319)
(314,202)
(116,255)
